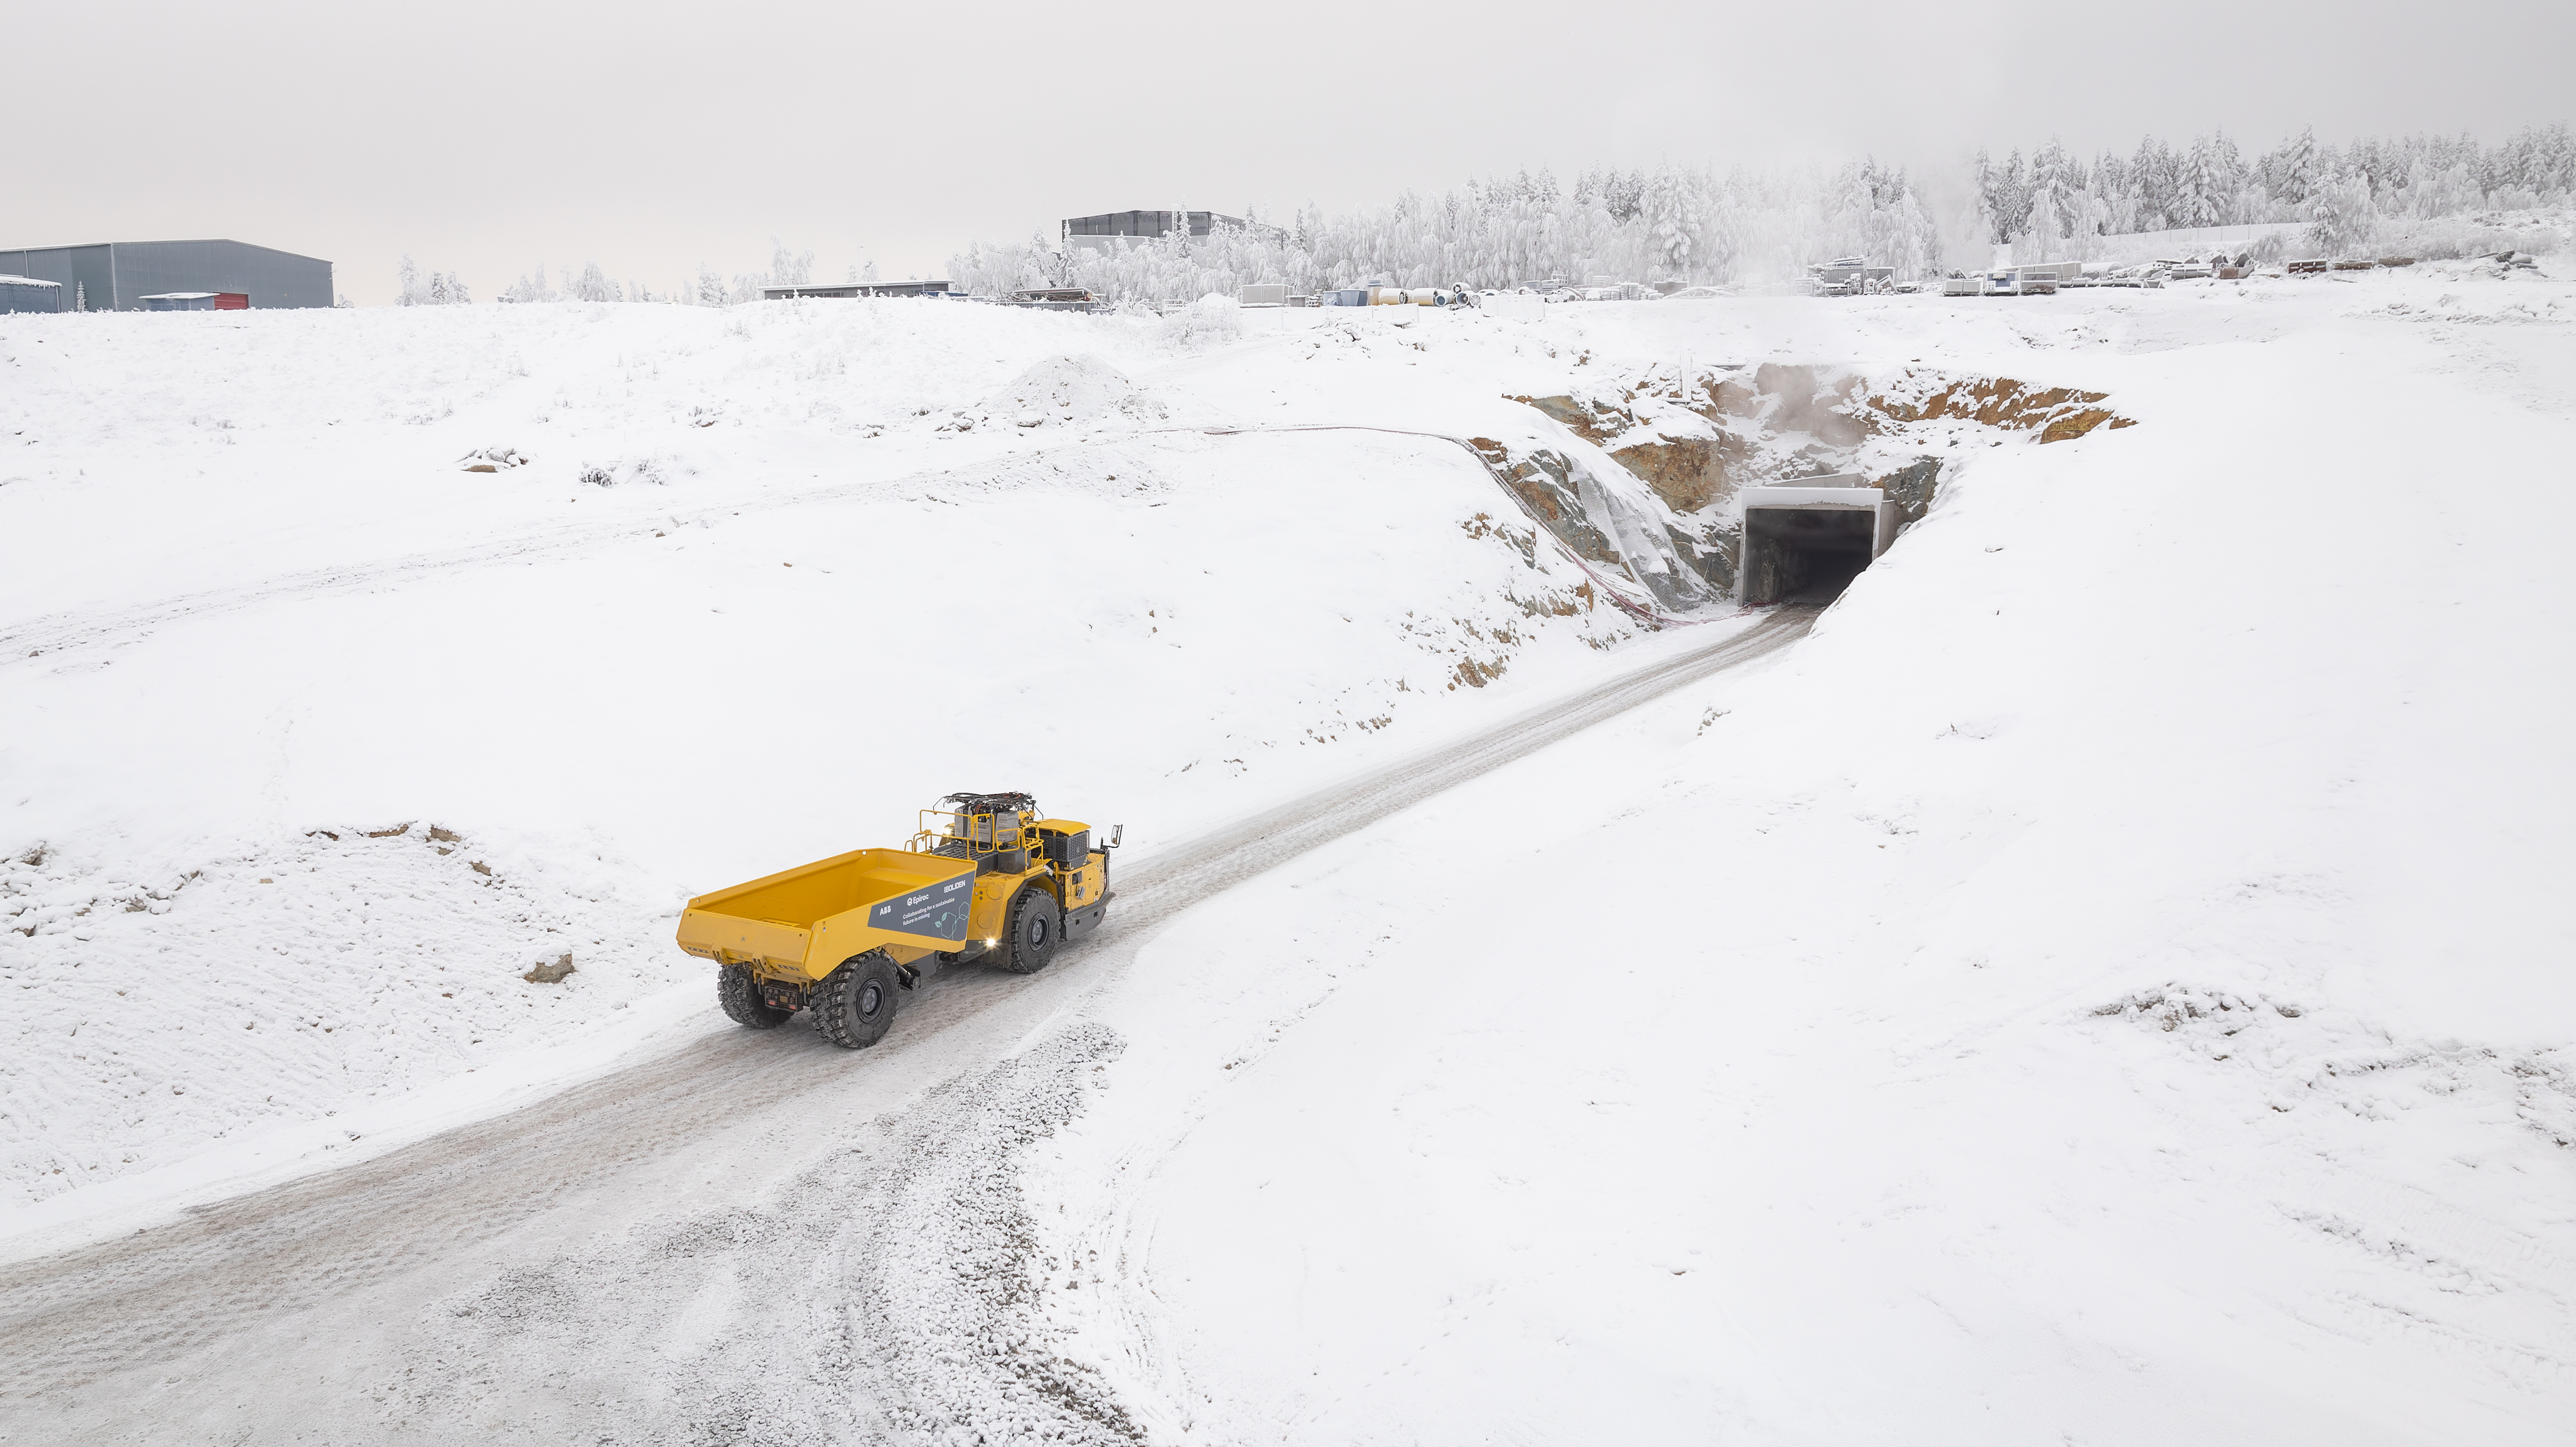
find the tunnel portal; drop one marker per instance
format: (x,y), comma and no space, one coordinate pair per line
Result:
(1810,538)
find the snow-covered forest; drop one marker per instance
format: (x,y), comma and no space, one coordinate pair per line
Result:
(1701,226)
(1665,223)
(2056,199)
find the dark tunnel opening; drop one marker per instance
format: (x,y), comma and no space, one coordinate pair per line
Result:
(1806,554)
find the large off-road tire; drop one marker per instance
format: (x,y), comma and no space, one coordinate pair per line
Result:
(854,1005)
(739,993)
(1032,930)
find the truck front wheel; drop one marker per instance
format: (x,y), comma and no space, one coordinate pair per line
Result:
(739,993)
(854,1006)
(1036,928)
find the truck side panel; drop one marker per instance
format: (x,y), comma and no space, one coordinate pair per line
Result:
(803,922)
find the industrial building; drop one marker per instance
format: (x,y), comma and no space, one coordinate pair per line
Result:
(847,290)
(26,294)
(118,275)
(198,301)
(1111,229)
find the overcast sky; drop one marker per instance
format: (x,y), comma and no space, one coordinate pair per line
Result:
(486,137)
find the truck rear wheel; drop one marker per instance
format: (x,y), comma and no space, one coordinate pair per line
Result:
(854,1006)
(739,993)
(1036,927)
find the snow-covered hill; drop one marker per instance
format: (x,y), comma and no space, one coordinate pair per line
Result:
(2099,984)
(2105,986)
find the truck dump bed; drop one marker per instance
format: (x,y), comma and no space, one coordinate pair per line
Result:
(806,921)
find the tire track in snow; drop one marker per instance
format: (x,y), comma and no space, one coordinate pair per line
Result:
(310,1301)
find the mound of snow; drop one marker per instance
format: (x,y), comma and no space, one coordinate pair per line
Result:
(151,1012)
(1069,391)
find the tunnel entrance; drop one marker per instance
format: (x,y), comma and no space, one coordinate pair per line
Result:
(1809,539)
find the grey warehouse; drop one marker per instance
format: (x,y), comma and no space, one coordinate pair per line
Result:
(120,275)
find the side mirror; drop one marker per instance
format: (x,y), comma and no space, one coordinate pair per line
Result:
(1116,834)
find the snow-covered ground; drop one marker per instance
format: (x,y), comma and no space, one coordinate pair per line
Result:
(319,742)
(2104,987)
(2101,987)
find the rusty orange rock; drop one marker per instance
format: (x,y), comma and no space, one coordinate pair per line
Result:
(2073,425)
(1687,473)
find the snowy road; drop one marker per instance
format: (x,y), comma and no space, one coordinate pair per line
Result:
(591,1265)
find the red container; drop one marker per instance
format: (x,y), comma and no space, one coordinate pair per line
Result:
(232,301)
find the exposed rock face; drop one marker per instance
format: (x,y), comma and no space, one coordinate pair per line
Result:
(1732,397)
(1615,527)
(2058,413)
(2076,424)
(1692,440)
(1713,556)
(1591,421)
(1911,489)
(1687,474)
(1543,480)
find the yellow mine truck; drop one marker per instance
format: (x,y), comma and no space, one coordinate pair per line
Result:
(986,878)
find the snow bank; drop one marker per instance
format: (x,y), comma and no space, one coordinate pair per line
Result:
(2099,988)
(155,1014)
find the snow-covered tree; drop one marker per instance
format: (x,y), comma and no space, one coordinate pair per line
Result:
(594,285)
(529,288)
(2064,179)
(2342,221)
(1672,224)
(789,268)
(2289,170)
(2041,226)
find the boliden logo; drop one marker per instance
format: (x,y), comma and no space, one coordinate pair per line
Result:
(939,912)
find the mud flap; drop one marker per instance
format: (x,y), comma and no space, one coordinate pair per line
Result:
(1080,922)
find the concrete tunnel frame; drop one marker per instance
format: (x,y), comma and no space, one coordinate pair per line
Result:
(1814,530)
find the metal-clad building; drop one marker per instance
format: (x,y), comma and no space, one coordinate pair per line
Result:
(197,301)
(26,294)
(117,275)
(1145,223)
(1107,231)
(849,289)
